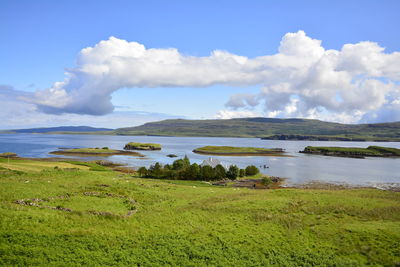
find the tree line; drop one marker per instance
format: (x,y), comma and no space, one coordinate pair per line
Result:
(182,169)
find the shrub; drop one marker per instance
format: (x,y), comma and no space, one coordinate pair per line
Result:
(266,181)
(252,170)
(105,147)
(242,173)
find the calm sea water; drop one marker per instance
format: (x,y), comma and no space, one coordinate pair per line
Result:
(300,168)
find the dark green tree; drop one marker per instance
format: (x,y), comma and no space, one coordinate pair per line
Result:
(178,164)
(192,172)
(206,173)
(142,171)
(186,162)
(167,167)
(156,170)
(219,172)
(242,173)
(233,172)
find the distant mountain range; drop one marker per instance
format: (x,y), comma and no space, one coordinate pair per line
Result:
(61,129)
(266,128)
(269,128)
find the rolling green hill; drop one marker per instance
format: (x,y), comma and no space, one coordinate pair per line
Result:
(269,128)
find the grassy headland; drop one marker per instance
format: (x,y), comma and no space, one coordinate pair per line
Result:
(77,216)
(297,137)
(8,155)
(94,152)
(371,151)
(142,146)
(239,151)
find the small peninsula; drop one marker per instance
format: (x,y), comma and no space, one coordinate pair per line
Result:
(239,151)
(82,152)
(298,137)
(8,155)
(353,152)
(142,146)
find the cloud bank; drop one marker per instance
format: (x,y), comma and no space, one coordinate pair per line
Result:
(359,82)
(17,114)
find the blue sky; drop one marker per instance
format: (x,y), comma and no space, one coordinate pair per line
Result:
(42,39)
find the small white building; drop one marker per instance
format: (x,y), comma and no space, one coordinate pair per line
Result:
(212,162)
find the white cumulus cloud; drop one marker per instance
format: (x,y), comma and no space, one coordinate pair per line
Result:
(231,114)
(303,79)
(17,114)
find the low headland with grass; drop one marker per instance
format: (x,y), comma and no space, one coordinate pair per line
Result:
(357,152)
(8,155)
(105,151)
(142,146)
(82,213)
(298,137)
(239,151)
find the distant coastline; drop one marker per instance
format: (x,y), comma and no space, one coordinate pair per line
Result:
(264,128)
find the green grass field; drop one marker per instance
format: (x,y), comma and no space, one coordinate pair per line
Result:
(35,166)
(116,219)
(142,146)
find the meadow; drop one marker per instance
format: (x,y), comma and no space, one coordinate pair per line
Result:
(74,213)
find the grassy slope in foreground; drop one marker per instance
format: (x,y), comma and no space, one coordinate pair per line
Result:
(184,223)
(94,152)
(238,151)
(142,146)
(264,127)
(371,151)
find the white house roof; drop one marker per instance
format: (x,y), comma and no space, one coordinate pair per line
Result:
(212,162)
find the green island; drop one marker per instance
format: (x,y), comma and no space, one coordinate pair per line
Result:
(105,151)
(72,213)
(142,146)
(239,151)
(371,151)
(8,155)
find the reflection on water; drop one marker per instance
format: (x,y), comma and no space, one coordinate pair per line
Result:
(298,169)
